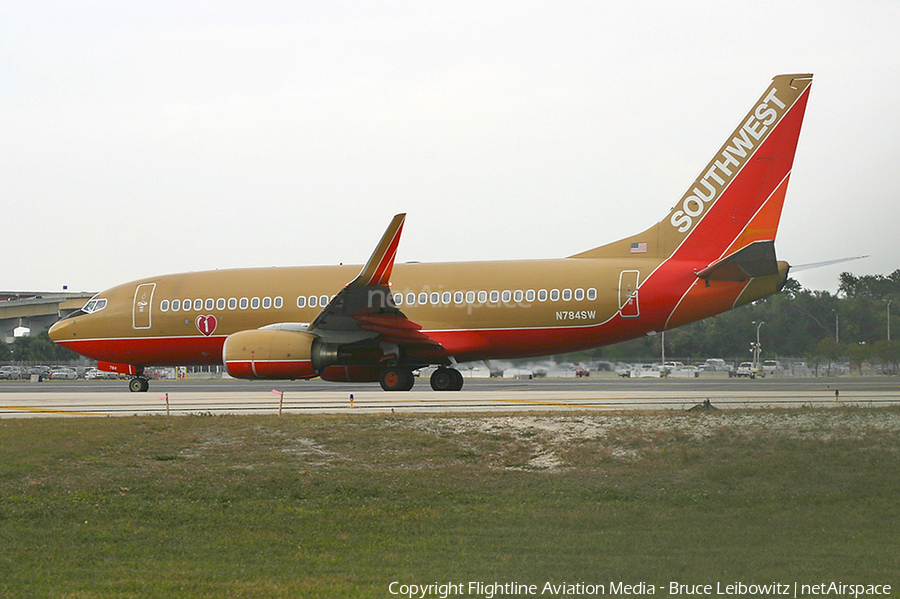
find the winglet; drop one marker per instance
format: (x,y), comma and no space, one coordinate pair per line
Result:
(377,271)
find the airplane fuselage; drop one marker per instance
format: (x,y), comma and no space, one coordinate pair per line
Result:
(475,310)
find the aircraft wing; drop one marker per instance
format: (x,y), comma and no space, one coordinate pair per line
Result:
(364,308)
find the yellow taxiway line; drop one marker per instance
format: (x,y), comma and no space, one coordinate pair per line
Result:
(48,411)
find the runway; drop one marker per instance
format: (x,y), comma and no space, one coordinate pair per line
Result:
(111,398)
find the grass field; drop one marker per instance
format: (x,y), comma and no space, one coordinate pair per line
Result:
(341,506)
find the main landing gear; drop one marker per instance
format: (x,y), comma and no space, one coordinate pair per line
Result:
(397,378)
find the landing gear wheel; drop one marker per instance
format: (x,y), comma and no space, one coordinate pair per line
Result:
(138,385)
(397,379)
(446,379)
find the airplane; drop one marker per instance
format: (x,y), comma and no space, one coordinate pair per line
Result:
(713,252)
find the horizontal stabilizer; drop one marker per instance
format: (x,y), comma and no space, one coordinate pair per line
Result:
(754,260)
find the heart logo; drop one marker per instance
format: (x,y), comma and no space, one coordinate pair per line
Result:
(206,324)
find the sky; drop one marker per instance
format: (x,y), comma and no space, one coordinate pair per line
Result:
(148,137)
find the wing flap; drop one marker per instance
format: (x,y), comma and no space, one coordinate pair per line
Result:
(394,328)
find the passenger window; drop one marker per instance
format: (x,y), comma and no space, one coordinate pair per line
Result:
(186,305)
(323,300)
(232,303)
(210,304)
(482,297)
(445,297)
(254,303)
(495,296)
(542,295)
(398,299)
(423,298)
(470,297)
(301,301)
(313,301)
(592,294)
(411,299)
(554,295)
(176,305)
(529,296)
(506,296)
(267,303)
(164,306)
(579,295)
(198,304)
(458,297)
(518,296)
(279,302)
(244,303)
(220,303)
(435,298)
(567,295)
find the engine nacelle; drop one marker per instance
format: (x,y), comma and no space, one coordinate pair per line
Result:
(275,354)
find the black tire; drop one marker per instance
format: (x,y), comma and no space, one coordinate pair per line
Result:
(457,380)
(396,379)
(138,385)
(446,379)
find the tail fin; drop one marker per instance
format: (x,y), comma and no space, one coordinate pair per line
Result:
(737,198)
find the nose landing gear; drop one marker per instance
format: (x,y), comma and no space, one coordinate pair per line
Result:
(138,384)
(446,379)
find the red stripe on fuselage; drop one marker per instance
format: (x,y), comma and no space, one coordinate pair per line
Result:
(152,351)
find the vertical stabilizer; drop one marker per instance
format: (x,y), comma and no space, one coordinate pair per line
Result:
(737,197)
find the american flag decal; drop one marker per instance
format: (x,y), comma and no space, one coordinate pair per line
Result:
(639,248)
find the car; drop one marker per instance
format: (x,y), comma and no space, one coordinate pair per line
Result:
(648,371)
(92,373)
(771,367)
(62,373)
(623,370)
(717,365)
(749,370)
(13,373)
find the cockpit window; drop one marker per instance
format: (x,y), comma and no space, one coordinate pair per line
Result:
(95,304)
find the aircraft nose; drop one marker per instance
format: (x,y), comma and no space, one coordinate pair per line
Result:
(62,330)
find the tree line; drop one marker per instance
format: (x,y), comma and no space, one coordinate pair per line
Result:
(38,349)
(851,325)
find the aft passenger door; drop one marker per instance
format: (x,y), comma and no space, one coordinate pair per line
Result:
(628,294)
(143,301)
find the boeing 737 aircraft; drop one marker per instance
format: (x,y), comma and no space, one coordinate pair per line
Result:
(380,322)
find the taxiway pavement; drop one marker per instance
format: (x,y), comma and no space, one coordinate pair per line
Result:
(111,398)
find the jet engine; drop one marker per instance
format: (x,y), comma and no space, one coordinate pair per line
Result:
(276,354)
